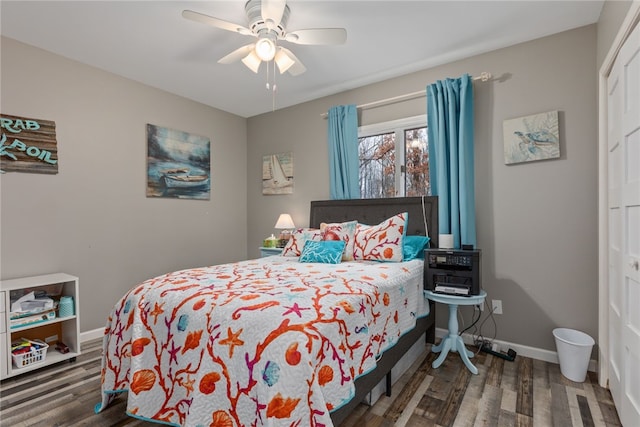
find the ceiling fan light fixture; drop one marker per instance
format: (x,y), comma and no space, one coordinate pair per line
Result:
(265,49)
(267,22)
(283,61)
(252,61)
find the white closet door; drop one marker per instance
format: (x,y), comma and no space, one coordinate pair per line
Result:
(624,230)
(614,148)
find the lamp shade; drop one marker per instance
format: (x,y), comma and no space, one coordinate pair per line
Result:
(283,61)
(252,61)
(284,221)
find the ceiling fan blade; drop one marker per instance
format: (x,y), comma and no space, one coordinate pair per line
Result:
(326,36)
(297,68)
(215,22)
(237,54)
(272,11)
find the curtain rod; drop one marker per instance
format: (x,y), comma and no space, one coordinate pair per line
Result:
(484,76)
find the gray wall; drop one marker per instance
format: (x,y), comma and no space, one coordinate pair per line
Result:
(611,17)
(537,222)
(93,219)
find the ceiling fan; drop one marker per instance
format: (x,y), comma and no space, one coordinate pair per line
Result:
(267,22)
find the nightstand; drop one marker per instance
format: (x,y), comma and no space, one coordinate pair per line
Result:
(453,341)
(269,251)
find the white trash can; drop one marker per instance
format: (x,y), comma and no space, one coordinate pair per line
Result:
(574,351)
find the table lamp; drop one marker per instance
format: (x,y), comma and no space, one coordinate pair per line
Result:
(285,225)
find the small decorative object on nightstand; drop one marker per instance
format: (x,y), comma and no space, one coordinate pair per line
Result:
(270,242)
(269,251)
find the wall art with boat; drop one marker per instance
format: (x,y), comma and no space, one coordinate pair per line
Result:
(178,164)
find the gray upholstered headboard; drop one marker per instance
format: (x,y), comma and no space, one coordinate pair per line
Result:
(374,211)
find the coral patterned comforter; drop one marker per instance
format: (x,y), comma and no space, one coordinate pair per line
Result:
(265,342)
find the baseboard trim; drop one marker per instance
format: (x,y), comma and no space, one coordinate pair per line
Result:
(91,335)
(523,350)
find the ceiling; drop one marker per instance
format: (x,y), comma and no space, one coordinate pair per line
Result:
(150,42)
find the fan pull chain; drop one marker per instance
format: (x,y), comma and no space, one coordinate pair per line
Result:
(273,92)
(268,85)
(271,83)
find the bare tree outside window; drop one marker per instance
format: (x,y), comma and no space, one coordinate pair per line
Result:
(416,163)
(377,166)
(394,159)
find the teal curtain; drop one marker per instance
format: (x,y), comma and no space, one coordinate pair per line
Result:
(343,152)
(451,169)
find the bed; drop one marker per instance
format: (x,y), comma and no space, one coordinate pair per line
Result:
(271,341)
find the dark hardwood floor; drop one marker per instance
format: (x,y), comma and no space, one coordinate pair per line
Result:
(525,392)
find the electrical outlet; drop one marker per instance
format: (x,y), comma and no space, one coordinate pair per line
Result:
(496,306)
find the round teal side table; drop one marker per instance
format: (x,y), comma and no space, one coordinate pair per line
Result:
(453,341)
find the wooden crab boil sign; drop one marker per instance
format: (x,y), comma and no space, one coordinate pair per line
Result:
(28,145)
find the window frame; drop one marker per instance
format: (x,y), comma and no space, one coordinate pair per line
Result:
(398,126)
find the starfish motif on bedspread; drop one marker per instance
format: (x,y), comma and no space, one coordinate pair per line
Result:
(295,309)
(173,352)
(157,311)
(232,340)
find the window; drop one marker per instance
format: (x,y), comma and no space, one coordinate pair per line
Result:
(394,159)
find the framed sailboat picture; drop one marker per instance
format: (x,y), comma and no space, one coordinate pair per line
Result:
(277,173)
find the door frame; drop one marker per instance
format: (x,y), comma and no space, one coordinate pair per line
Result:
(630,21)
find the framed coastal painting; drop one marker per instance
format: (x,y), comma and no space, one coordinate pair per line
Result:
(277,173)
(178,164)
(531,138)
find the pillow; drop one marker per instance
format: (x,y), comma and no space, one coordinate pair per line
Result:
(382,242)
(297,240)
(326,251)
(413,247)
(341,231)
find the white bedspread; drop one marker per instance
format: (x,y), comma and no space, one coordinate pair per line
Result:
(269,341)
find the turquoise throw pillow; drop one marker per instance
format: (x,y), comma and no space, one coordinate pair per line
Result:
(414,246)
(326,251)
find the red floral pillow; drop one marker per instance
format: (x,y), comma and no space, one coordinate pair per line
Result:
(382,242)
(295,244)
(344,231)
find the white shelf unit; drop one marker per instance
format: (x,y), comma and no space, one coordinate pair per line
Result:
(65,329)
